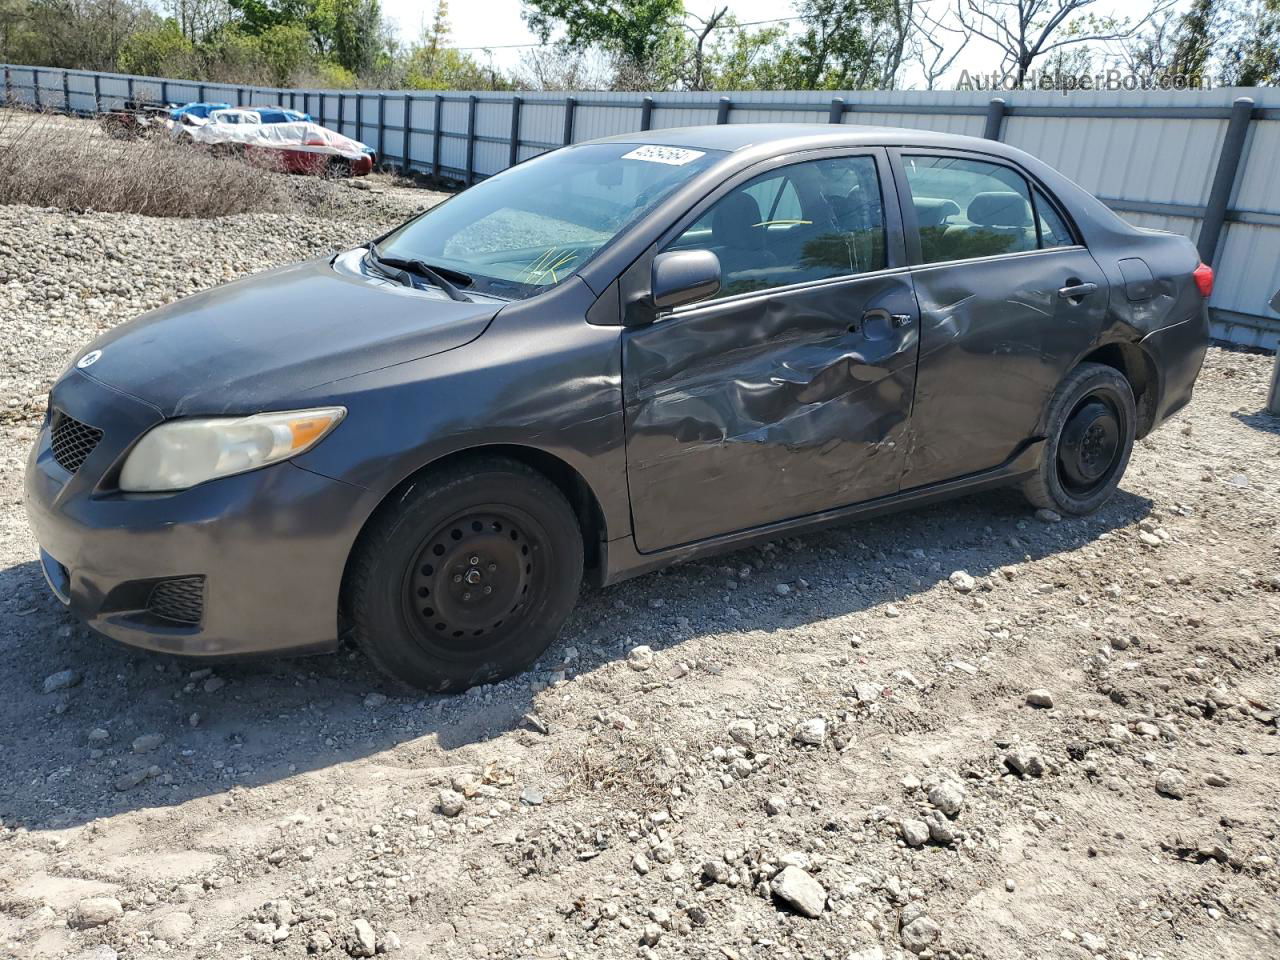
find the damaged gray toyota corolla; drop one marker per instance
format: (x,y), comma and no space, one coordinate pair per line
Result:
(619,355)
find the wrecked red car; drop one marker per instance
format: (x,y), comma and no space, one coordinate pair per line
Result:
(299,147)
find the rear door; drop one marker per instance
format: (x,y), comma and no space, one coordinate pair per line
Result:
(790,392)
(1008,299)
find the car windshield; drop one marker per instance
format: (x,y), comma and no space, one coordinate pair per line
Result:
(528,228)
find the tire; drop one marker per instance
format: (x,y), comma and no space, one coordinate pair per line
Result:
(467,577)
(1090,426)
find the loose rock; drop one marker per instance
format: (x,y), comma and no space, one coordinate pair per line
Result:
(62,680)
(1040,698)
(96,912)
(799,891)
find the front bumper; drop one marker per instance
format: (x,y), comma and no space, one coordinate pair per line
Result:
(270,545)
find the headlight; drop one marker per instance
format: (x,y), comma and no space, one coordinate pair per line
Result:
(182,453)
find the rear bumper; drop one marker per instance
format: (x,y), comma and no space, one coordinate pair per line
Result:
(1178,351)
(263,552)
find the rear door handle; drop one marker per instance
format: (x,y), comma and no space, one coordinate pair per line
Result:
(1077,290)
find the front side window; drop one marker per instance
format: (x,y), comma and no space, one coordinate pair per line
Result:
(530,227)
(808,221)
(969,208)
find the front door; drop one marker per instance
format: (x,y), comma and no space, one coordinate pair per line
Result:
(789,392)
(1008,299)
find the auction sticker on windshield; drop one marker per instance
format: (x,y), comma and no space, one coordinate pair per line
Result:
(674,156)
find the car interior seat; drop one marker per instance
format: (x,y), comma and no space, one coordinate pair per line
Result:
(1005,214)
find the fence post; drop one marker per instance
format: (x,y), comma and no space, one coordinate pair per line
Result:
(35,87)
(342,112)
(1273,398)
(471,139)
(513,154)
(200,93)
(66,92)
(722,110)
(8,86)
(97,93)
(570,108)
(646,113)
(164,91)
(837,110)
(1224,178)
(382,128)
(408,123)
(129,89)
(435,135)
(995,119)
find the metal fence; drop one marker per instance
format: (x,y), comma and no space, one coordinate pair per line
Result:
(1202,163)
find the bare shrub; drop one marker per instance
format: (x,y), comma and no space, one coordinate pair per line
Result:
(53,161)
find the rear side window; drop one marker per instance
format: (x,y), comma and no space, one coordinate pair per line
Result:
(968,208)
(1053,230)
(807,221)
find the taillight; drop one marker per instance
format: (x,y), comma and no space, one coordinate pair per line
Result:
(1203,276)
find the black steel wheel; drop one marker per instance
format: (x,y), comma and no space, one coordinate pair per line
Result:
(471,578)
(1089,428)
(467,578)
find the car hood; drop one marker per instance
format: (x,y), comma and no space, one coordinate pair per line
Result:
(249,345)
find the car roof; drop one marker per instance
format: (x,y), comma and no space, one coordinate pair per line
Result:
(734,137)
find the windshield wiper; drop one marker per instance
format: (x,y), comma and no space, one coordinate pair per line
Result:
(412,265)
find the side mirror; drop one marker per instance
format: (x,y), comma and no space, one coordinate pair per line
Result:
(684,276)
(1275,302)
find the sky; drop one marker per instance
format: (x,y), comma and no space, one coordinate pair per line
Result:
(497,26)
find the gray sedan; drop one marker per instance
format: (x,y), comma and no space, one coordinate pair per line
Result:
(616,356)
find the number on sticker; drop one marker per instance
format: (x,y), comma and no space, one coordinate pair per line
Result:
(675,156)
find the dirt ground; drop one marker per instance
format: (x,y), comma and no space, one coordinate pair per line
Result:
(1071,754)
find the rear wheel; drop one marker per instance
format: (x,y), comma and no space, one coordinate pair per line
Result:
(467,578)
(1090,430)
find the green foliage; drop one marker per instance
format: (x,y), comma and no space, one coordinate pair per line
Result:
(843,45)
(1252,57)
(357,32)
(640,32)
(160,51)
(331,76)
(286,50)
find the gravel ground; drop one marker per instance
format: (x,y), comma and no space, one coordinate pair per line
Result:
(959,732)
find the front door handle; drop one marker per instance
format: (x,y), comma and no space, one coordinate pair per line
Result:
(1077,290)
(895,320)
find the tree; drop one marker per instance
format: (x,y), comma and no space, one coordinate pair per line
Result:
(1252,54)
(1175,44)
(556,68)
(1027,29)
(641,33)
(935,45)
(286,50)
(848,44)
(700,32)
(739,59)
(357,34)
(158,52)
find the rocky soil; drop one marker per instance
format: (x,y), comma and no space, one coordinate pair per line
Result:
(962,732)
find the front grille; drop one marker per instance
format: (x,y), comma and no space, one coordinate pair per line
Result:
(180,600)
(73,441)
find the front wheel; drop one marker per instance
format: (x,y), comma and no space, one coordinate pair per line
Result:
(1089,429)
(467,577)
